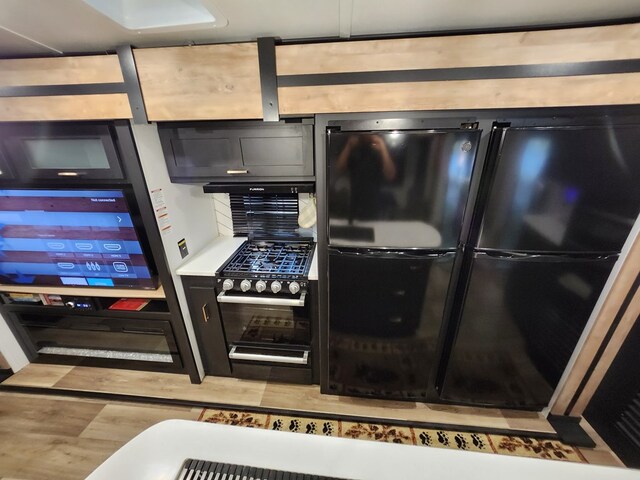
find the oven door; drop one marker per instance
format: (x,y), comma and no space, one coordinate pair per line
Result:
(268,328)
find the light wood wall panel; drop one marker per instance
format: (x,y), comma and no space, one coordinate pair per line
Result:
(65,107)
(200,82)
(60,71)
(610,308)
(518,48)
(463,94)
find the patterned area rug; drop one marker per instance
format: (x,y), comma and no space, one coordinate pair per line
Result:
(479,442)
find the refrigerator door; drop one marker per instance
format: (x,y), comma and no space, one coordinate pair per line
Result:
(399,189)
(563,189)
(385,313)
(521,319)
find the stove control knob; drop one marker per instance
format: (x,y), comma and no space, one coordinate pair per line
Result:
(245,285)
(260,286)
(276,286)
(227,284)
(294,287)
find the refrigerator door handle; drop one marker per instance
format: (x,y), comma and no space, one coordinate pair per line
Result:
(391,254)
(546,257)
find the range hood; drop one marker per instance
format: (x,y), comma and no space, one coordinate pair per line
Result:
(260,187)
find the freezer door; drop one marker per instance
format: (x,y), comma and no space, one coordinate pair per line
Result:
(385,313)
(564,189)
(520,322)
(399,189)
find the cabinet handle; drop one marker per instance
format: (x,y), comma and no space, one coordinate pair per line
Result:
(204,313)
(237,172)
(259,357)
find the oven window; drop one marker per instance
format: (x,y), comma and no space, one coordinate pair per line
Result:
(260,325)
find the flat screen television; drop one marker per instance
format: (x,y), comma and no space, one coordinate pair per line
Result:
(74,238)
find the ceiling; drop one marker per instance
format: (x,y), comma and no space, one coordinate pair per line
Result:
(53,27)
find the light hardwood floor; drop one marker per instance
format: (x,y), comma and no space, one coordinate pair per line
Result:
(247,393)
(47,436)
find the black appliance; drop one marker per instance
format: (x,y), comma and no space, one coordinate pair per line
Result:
(554,209)
(264,299)
(396,200)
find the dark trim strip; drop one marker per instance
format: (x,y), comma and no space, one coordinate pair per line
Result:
(280,411)
(463,73)
(603,346)
(570,431)
(268,79)
(56,90)
(132,83)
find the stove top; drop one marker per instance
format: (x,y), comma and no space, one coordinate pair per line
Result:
(270,259)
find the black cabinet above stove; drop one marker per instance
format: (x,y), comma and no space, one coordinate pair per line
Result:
(237,152)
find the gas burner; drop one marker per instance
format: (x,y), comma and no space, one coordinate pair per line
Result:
(270,260)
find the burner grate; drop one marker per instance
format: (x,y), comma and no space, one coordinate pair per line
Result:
(266,257)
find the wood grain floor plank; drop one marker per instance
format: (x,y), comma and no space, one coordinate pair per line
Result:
(601,454)
(223,390)
(123,422)
(248,393)
(45,457)
(39,375)
(43,415)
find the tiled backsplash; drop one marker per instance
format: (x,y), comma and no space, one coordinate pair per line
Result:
(223,214)
(223,211)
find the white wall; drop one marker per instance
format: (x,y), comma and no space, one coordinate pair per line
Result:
(191,215)
(10,349)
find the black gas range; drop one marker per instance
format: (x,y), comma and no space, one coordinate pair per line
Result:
(268,267)
(265,307)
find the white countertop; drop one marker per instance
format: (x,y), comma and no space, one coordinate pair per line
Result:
(159,452)
(207,261)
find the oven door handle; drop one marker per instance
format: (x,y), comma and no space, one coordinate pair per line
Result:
(261,357)
(250,300)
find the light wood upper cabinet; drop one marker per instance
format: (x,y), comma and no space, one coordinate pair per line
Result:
(561,46)
(85,70)
(200,82)
(616,42)
(60,71)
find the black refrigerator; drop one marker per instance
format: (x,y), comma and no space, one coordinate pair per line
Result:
(554,210)
(396,201)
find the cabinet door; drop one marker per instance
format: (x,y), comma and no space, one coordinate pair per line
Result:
(207,325)
(45,151)
(210,152)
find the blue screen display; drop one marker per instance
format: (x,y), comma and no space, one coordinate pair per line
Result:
(70,238)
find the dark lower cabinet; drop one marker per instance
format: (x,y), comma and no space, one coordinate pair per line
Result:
(205,317)
(97,336)
(614,411)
